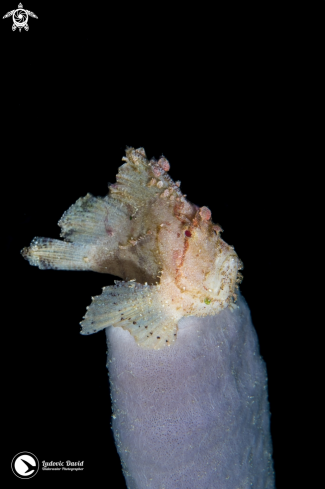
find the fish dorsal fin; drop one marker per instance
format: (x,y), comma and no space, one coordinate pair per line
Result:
(118,233)
(92,229)
(140,182)
(136,308)
(91,219)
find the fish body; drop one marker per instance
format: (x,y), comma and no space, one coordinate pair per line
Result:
(188,386)
(145,231)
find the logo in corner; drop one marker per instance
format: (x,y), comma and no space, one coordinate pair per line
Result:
(25,465)
(20,18)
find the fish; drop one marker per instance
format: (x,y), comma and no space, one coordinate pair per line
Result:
(168,252)
(187,382)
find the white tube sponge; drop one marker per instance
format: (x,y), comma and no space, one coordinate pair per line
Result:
(187,381)
(195,415)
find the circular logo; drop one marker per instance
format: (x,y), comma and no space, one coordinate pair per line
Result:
(20,17)
(25,465)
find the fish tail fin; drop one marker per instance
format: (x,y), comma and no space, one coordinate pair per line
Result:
(47,253)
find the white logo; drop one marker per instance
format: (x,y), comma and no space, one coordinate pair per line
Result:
(20,18)
(25,465)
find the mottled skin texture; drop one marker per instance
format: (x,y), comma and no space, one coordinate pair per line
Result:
(145,230)
(189,394)
(196,415)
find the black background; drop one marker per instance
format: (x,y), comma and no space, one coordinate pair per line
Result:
(213,92)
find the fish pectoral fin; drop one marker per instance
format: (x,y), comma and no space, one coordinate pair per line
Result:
(136,308)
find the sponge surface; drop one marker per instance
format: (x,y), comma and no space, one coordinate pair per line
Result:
(194,415)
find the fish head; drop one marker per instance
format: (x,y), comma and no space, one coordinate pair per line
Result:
(210,267)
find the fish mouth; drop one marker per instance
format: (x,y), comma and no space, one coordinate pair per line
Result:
(230,266)
(228,277)
(223,279)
